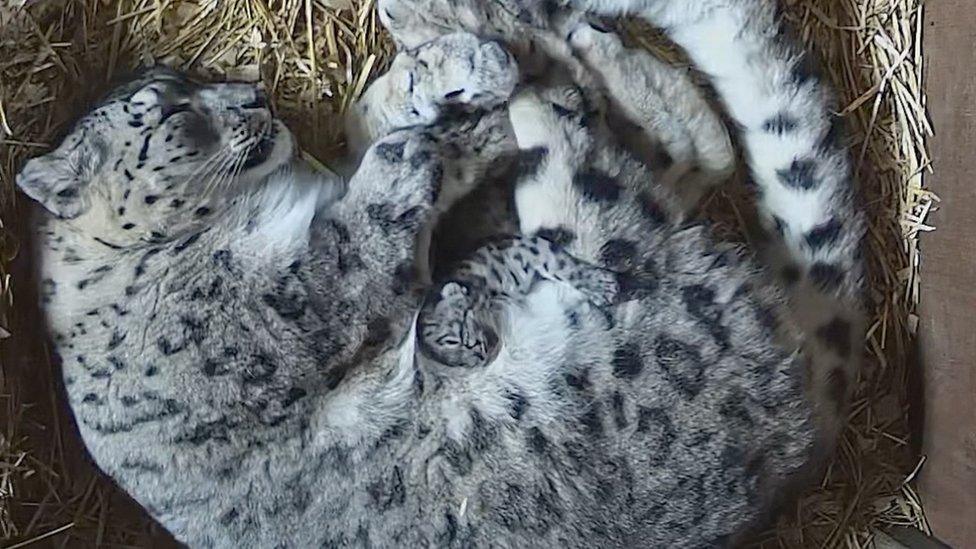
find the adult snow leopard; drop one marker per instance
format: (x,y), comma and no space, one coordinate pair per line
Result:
(240,366)
(800,171)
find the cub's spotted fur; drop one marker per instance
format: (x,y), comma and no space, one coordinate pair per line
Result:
(457,326)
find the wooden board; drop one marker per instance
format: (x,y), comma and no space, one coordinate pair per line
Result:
(948,314)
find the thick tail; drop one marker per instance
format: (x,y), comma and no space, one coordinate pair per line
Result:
(806,193)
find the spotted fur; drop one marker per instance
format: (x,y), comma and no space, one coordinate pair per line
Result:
(457,326)
(262,374)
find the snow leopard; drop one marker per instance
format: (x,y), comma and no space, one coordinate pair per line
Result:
(238,334)
(457,326)
(770,89)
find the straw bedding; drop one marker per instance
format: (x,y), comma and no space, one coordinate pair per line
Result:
(316,56)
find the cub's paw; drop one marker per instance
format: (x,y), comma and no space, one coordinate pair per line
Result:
(400,177)
(545,118)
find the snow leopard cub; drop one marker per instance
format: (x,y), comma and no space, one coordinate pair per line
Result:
(458,323)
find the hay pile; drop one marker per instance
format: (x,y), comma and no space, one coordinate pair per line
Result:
(316,56)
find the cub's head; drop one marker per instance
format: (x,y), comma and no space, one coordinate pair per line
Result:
(160,155)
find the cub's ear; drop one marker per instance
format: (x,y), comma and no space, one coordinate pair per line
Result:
(59,180)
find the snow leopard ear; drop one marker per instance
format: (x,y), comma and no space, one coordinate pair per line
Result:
(59,180)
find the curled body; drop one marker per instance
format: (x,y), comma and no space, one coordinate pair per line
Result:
(239,342)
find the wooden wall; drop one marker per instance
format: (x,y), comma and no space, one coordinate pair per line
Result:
(948,327)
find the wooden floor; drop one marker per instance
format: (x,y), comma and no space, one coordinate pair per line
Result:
(948,327)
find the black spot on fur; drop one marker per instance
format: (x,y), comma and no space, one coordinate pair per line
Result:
(619,253)
(116,340)
(579,381)
(538,443)
(640,283)
(294,395)
(378,330)
(619,414)
(779,225)
(213,367)
(167,348)
(458,457)
(560,236)
(790,274)
(403,277)
(800,175)
(190,240)
(228,518)
(826,276)
(288,305)
(681,364)
(201,211)
(391,152)
(597,186)
(592,421)
(388,492)
(824,234)
(836,334)
(563,112)
(223,258)
(260,370)
(518,403)
(652,210)
(195,330)
(700,302)
(837,383)
(656,423)
(734,408)
(780,124)
(627,362)
(530,160)
(150,199)
(128,226)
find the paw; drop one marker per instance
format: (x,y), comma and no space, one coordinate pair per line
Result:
(404,20)
(403,171)
(586,35)
(532,120)
(547,117)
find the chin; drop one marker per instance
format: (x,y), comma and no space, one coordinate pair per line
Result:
(274,151)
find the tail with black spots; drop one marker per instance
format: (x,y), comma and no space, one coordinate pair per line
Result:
(806,193)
